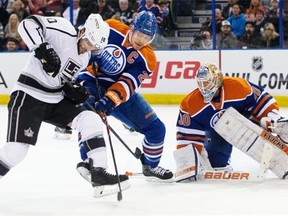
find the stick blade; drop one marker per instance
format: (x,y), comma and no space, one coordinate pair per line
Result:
(138,153)
(119,196)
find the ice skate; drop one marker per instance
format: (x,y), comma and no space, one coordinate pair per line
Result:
(83,169)
(157,173)
(62,133)
(105,183)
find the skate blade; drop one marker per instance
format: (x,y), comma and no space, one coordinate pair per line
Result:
(85,173)
(158,180)
(102,191)
(60,136)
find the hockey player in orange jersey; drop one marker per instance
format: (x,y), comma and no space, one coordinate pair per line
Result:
(113,87)
(201,109)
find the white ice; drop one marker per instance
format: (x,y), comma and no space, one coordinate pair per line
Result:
(46,183)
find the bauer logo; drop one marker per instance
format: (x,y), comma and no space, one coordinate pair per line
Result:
(257,63)
(227,176)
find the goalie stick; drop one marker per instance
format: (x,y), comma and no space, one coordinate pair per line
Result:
(252,176)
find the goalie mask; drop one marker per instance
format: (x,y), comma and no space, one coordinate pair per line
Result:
(209,78)
(96,31)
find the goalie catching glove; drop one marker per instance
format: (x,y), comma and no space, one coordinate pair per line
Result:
(75,92)
(49,59)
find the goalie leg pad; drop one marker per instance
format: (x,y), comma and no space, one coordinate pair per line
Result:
(250,139)
(186,159)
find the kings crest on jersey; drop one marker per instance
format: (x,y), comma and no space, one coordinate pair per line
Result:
(120,66)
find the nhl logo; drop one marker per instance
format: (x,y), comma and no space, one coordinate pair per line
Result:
(257,63)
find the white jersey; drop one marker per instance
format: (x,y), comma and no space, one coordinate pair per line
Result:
(62,36)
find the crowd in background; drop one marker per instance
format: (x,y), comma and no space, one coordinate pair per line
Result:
(239,23)
(245,24)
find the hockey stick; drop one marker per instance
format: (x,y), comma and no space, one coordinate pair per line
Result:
(104,119)
(137,154)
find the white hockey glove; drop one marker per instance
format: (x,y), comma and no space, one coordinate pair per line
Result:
(279,127)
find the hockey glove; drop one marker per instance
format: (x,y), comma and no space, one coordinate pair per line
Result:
(49,59)
(105,105)
(280,127)
(75,92)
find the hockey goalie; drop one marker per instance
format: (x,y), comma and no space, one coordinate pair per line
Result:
(226,112)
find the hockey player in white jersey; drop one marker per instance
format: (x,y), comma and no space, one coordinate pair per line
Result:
(46,91)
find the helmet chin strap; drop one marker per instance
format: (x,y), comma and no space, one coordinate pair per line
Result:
(79,36)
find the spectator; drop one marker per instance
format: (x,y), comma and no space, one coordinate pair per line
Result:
(270,37)
(227,10)
(11,30)
(12,45)
(226,39)
(153,8)
(134,4)
(104,9)
(249,39)
(4,3)
(260,21)
(4,15)
(237,21)
(272,11)
(2,36)
(86,8)
(266,3)
(124,13)
(76,9)
(273,15)
(18,8)
(218,19)
(36,7)
(54,5)
(202,41)
(285,27)
(251,11)
(244,4)
(168,22)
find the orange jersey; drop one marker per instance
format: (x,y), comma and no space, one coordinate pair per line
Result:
(197,118)
(120,68)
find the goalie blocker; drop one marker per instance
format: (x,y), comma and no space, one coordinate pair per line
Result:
(251,138)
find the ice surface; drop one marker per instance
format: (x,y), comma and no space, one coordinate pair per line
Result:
(46,183)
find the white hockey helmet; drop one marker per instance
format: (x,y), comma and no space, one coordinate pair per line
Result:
(96,31)
(209,78)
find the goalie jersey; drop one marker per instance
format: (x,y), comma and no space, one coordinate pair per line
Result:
(120,68)
(196,119)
